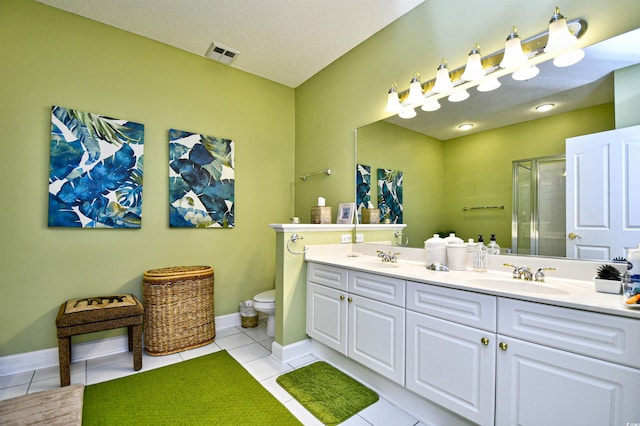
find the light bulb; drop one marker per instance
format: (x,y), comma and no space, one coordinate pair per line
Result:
(443,81)
(526,73)
(393,101)
(430,105)
(489,85)
(459,96)
(473,70)
(513,54)
(407,112)
(416,97)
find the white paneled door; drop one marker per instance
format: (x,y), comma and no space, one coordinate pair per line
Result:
(603,194)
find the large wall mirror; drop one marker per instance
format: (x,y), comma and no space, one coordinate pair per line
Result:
(462,182)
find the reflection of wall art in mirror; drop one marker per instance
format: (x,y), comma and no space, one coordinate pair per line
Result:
(95,172)
(346,213)
(363,187)
(201,181)
(390,195)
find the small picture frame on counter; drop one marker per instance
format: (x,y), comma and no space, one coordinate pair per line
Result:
(345,213)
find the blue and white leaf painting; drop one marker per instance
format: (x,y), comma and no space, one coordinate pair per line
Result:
(201,181)
(390,195)
(95,172)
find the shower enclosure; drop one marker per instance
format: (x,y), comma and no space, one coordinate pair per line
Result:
(538,217)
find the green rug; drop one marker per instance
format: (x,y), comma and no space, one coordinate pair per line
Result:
(326,392)
(211,390)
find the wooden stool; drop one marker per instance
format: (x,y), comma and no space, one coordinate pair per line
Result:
(87,315)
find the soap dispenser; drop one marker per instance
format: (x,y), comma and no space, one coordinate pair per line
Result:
(480,256)
(493,247)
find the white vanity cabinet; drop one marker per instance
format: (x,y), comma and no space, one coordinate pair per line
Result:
(360,315)
(451,349)
(564,366)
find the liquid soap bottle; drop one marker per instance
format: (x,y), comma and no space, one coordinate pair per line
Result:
(480,256)
(493,247)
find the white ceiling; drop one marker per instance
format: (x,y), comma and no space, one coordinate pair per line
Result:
(286,41)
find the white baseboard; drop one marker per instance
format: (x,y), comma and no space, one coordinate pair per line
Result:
(28,361)
(290,352)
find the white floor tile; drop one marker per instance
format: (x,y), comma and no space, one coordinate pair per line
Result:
(234,341)
(355,421)
(53,383)
(224,332)
(276,390)
(16,379)
(14,391)
(266,367)
(151,362)
(109,372)
(302,414)
(257,333)
(302,361)
(103,361)
(77,370)
(384,413)
(201,351)
(267,343)
(249,352)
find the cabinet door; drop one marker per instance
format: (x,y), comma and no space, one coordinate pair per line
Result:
(452,365)
(537,385)
(327,316)
(376,336)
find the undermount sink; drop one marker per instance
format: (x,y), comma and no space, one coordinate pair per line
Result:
(520,286)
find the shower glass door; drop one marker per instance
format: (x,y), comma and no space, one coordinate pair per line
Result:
(538,217)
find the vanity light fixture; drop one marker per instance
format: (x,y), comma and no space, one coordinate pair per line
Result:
(473,70)
(513,53)
(430,105)
(489,85)
(544,107)
(459,96)
(465,126)
(416,97)
(393,100)
(407,112)
(443,81)
(518,58)
(561,39)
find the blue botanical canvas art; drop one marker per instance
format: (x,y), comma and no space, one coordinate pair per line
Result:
(201,181)
(363,186)
(95,170)
(390,195)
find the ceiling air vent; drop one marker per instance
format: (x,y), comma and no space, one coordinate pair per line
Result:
(221,53)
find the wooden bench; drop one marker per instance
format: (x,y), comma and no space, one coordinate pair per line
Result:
(88,315)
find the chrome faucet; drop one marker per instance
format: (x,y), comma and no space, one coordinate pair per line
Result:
(388,257)
(540,275)
(521,272)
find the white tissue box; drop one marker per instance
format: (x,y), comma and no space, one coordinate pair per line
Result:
(608,286)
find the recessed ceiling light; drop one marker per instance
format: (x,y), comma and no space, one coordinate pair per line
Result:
(544,107)
(465,126)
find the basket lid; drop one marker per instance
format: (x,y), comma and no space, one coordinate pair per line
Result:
(266,296)
(178,271)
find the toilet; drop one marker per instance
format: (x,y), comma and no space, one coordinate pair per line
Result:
(265,303)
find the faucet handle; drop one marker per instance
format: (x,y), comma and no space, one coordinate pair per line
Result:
(540,274)
(516,270)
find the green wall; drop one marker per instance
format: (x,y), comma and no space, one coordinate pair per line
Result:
(478,167)
(420,158)
(50,57)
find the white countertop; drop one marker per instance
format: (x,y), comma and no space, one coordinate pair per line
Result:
(559,291)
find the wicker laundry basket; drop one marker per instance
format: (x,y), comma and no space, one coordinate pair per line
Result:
(178,309)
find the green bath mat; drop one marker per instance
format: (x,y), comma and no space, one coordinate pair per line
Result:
(211,390)
(326,392)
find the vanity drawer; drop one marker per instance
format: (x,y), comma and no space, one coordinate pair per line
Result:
(377,287)
(330,276)
(602,336)
(463,307)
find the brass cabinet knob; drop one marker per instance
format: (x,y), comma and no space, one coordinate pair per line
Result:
(503,346)
(342,297)
(349,300)
(484,341)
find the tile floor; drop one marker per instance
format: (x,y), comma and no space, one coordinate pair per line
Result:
(250,347)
